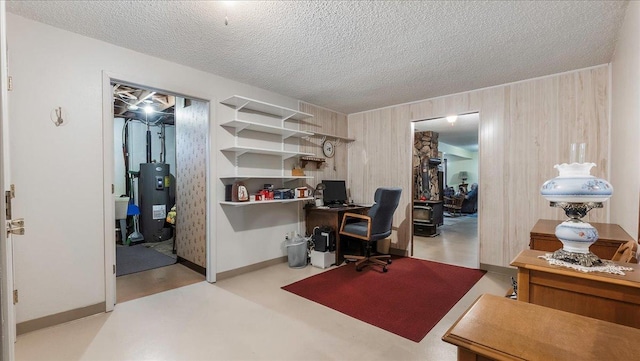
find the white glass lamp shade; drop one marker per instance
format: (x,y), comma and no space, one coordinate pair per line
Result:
(575,184)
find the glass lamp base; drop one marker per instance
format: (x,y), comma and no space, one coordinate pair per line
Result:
(583,259)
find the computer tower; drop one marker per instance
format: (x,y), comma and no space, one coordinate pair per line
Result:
(324,239)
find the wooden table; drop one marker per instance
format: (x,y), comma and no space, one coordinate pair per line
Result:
(610,237)
(498,328)
(604,296)
(331,217)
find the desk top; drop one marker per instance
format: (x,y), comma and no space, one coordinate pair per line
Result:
(606,231)
(505,329)
(337,209)
(528,259)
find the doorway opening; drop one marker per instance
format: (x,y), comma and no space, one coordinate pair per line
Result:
(445,190)
(159,158)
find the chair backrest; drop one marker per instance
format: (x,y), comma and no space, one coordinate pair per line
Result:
(626,252)
(457,201)
(381,213)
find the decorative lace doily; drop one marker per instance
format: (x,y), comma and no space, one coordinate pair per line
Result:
(607,267)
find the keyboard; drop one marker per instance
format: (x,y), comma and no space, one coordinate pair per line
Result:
(334,205)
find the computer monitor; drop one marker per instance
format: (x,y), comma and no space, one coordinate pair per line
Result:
(335,192)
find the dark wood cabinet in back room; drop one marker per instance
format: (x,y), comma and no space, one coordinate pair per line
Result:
(610,237)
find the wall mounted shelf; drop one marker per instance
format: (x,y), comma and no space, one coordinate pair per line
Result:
(264,114)
(241,125)
(307,159)
(282,153)
(239,102)
(236,204)
(318,134)
(244,177)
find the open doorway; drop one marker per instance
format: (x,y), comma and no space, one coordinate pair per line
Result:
(144,178)
(445,190)
(159,153)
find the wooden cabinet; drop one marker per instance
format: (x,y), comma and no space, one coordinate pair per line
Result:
(611,236)
(497,328)
(609,297)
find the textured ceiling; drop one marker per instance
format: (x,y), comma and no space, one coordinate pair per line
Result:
(353,56)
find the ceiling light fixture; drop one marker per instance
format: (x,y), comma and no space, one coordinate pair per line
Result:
(148,109)
(452,119)
(132,107)
(229,4)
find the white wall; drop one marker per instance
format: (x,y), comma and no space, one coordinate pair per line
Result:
(455,165)
(625,123)
(58,172)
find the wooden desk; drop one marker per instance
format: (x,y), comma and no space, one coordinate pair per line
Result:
(610,237)
(331,217)
(604,296)
(497,328)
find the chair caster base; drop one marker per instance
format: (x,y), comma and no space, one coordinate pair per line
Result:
(385,270)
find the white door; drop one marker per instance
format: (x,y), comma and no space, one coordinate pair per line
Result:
(8,328)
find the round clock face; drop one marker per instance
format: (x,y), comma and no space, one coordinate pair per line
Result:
(328,148)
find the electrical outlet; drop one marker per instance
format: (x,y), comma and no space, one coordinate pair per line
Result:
(286,237)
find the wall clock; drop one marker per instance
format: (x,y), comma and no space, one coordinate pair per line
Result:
(328,148)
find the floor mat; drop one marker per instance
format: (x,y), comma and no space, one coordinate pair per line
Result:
(138,258)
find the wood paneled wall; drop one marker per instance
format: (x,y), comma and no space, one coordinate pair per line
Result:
(328,122)
(525,129)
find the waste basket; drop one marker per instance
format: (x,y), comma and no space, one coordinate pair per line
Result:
(297,251)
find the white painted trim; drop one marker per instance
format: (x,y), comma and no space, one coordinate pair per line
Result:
(108,169)
(480,89)
(7,313)
(211,244)
(610,138)
(108,216)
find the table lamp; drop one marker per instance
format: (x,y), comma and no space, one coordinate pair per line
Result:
(577,192)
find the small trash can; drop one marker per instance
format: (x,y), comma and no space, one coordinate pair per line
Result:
(297,252)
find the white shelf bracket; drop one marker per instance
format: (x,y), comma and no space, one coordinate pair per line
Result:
(286,117)
(242,105)
(242,127)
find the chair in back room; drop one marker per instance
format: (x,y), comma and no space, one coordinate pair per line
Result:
(374,226)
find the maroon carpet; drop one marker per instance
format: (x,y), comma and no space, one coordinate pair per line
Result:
(408,300)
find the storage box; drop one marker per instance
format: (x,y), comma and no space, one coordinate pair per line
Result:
(323,259)
(282,194)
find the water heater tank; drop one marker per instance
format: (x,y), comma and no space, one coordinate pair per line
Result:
(153,189)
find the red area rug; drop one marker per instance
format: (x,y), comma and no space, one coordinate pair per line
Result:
(408,300)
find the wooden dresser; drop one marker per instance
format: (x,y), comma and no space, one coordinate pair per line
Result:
(609,297)
(610,237)
(498,328)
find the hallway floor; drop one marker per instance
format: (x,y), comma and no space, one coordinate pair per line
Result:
(247,317)
(457,243)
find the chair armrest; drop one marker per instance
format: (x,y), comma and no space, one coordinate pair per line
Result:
(347,216)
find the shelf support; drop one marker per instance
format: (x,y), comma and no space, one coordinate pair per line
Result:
(287,117)
(242,105)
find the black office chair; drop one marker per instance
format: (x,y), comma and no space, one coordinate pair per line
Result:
(374,226)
